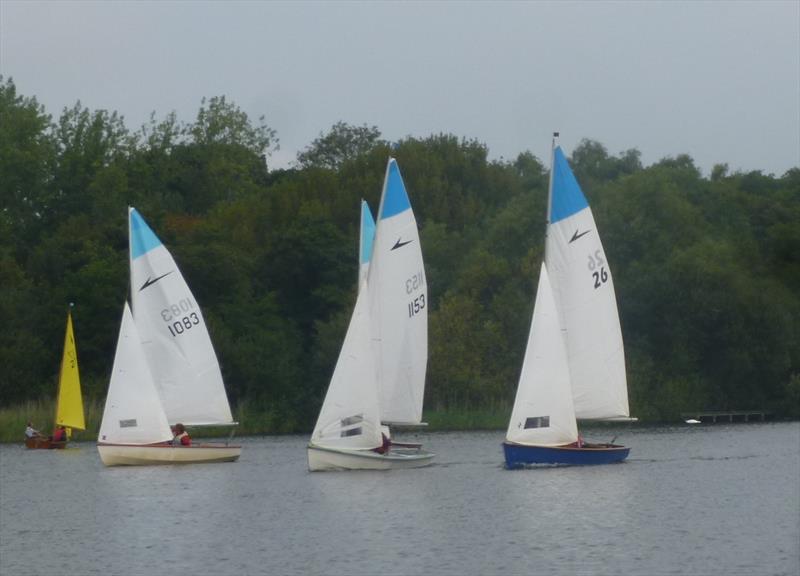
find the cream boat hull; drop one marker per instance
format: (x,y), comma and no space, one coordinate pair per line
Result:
(137,455)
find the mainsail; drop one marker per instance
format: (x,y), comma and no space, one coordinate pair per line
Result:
(584,295)
(398,305)
(174,335)
(69,408)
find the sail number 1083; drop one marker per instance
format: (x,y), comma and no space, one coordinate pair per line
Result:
(180,317)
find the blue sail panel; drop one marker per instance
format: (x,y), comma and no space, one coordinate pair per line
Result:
(567,198)
(395,199)
(143,239)
(367,232)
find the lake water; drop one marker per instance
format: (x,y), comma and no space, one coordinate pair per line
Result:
(710,499)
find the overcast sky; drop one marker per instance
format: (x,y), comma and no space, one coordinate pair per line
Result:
(717,80)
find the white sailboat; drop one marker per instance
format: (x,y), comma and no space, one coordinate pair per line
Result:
(350,433)
(176,355)
(574,365)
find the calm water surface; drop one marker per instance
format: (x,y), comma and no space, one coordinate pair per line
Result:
(711,499)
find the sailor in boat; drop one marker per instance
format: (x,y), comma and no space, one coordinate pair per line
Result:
(182,437)
(59,434)
(385,444)
(31,432)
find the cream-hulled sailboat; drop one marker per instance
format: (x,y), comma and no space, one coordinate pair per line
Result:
(380,374)
(164,342)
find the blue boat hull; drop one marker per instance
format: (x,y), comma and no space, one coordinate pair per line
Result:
(518,456)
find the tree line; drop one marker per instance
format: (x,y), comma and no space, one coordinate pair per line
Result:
(707,269)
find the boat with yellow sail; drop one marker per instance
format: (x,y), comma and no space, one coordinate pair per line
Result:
(69,406)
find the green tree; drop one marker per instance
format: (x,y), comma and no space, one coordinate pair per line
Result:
(341,144)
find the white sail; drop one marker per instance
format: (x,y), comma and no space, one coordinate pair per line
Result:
(365,242)
(350,417)
(133,412)
(584,293)
(174,334)
(543,413)
(398,304)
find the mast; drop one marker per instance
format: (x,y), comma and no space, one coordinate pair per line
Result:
(550,182)
(129,295)
(360,245)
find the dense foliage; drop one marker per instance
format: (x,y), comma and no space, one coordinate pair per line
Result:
(707,270)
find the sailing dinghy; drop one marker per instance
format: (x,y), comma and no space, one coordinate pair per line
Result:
(574,366)
(380,373)
(163,341)
(69,406)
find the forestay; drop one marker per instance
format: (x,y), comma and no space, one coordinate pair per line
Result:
(398,304)
(543,413)
(584,295)
(133,412)
(350,417)
(174,334)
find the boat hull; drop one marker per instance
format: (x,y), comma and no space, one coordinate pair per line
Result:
(320,459)
(44,443)
(518,455)
(138,455)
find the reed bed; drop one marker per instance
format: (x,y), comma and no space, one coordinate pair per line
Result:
(253,421)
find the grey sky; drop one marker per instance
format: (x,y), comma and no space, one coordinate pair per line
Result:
(717,80)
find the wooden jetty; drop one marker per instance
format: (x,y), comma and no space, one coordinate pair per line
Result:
(726,415)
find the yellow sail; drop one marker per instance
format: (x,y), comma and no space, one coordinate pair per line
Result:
(69,411)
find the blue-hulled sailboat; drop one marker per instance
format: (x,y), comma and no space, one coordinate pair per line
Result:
(574,365)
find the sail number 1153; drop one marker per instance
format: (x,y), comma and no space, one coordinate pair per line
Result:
(414,283)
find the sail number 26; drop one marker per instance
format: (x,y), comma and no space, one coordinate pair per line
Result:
(180,317)
(597,268)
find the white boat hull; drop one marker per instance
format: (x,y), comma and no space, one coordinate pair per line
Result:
(137,455)
(320,459)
